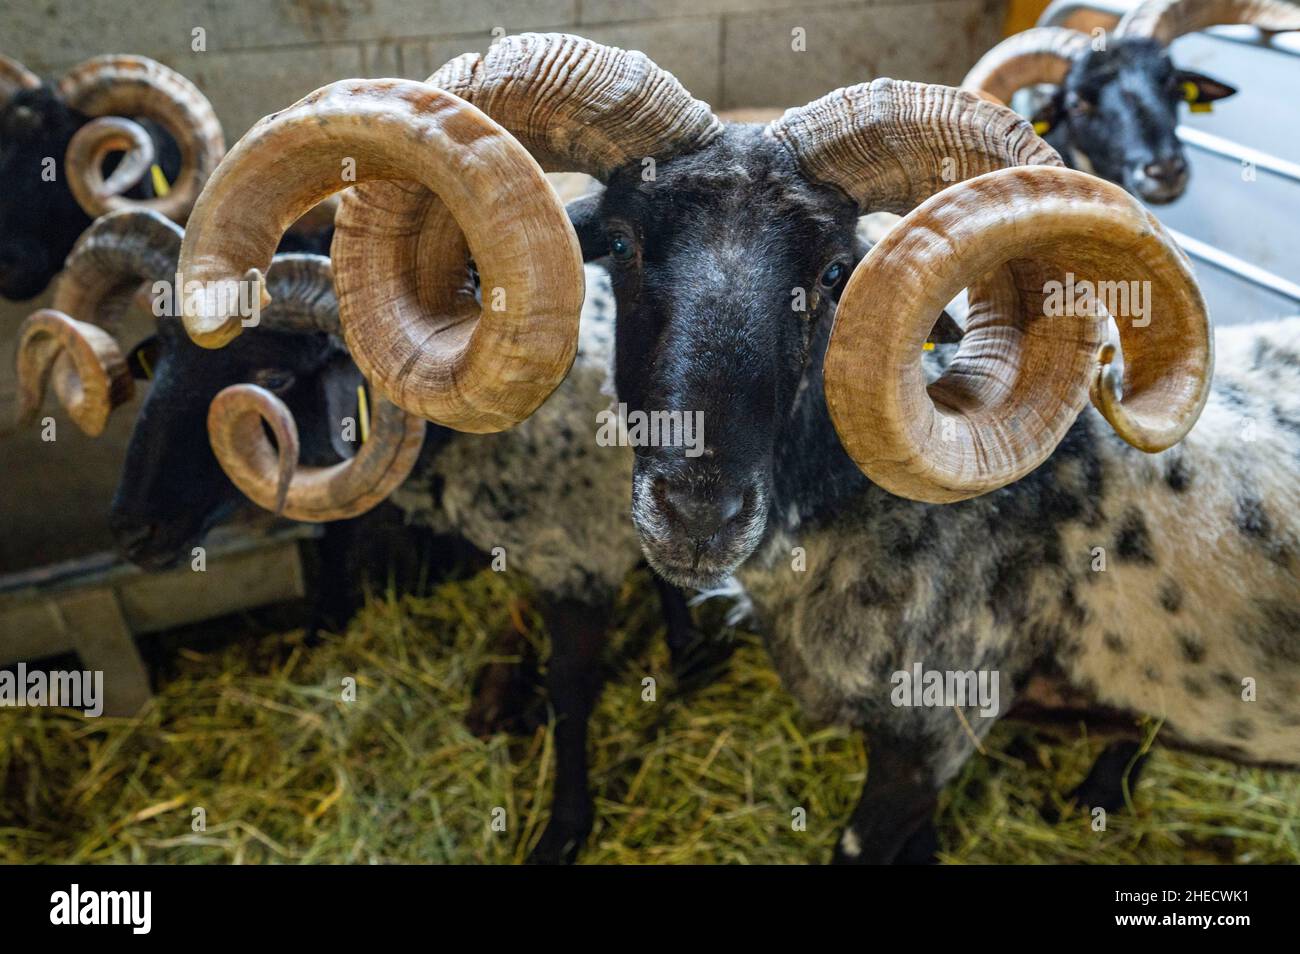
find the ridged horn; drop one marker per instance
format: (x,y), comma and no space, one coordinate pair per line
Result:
(406,232)
(1020,376)
(269,474)
(111,260)
(1038,55)
(13,78)
(127,86)
(890,145)
(302,289)
(81,360)
(1166,20)
(72,344)
(91,145)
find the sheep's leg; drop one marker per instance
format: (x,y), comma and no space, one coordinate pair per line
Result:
(696,658)
(503,690)
(573,677)
(1104,785)
(898,802)
(922,848)
(506,693)
(335,599)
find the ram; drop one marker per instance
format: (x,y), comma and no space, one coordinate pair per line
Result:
(553,501)
(54,143)
(58,140)
(985,523)
(1114,111)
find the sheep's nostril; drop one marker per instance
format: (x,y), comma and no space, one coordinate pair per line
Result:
(701,515)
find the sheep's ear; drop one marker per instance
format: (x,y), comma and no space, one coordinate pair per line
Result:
(1048,115)
(1198,88)
(584,213)
(945,330)
(142,360)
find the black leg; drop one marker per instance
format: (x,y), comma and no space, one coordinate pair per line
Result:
(922,848)
(696,658)
(898,802)
(1104,786)
(506,696)
(336,596)
(573,679)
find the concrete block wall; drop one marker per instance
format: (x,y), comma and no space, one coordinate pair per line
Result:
(258,56)
(261,55)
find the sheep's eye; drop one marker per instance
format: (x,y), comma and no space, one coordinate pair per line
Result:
(621,246)
(274,380)
(833,275)
(1077,105)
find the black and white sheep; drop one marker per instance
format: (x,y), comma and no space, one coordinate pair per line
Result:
(729,248)
(115,132)
(541,497)
(1114,111)
(55,138)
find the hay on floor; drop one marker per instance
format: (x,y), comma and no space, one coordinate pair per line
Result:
(258,736)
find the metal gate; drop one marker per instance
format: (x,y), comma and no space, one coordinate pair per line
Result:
(1240,217)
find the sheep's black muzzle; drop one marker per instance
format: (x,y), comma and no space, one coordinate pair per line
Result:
(696,527)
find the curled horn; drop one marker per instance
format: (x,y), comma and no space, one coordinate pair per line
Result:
(1038,55)
(13,78)
(269,474)
(1020,377)
(125,86)
(111,260)
(91,145)
(458,163)
(89,373)
(71,345)
(1166,20)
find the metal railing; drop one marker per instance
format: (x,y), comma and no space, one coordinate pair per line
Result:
(1059,11)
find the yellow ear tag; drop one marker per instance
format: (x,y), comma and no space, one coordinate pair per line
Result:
(928,346)
(144,365)
(159,181)
(363,413)
(1192,93)
(1042,127)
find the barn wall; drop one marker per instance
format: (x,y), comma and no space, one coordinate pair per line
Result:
(262,55)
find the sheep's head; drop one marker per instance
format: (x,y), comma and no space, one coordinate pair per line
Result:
(728,247)
(38,221)
(57,140)
(730,265)
(198,452)
(1121,106)
(722,265)
(173,487)
(1116,105)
